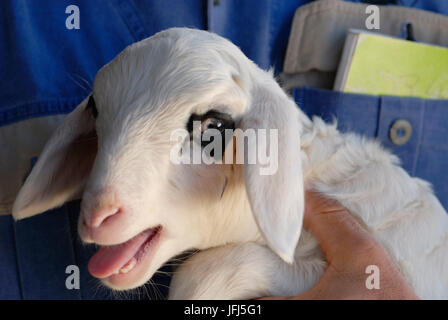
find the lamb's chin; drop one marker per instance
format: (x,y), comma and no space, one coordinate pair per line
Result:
(140,268)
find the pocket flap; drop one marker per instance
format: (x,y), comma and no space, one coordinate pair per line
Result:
(319,29)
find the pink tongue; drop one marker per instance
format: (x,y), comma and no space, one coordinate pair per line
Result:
(109,260)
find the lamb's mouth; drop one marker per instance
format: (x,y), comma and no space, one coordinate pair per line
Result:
(122,259)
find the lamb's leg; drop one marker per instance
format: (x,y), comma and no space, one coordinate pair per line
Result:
(243,271)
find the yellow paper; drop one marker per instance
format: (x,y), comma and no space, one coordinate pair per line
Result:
(388,66)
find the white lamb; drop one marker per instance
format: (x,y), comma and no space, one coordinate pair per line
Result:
(143,209)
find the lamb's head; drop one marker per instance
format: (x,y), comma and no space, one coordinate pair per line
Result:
(116,151)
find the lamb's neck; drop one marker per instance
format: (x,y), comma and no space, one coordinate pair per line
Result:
(341,166)
(319,142)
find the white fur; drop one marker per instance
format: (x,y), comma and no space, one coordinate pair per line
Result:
(249,233)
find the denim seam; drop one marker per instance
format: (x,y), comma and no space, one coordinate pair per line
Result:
(73,238)
(419,138)
(380,114)
(38,109)
(131,18)
(19,277)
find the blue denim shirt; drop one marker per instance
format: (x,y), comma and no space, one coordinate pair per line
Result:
(47,70)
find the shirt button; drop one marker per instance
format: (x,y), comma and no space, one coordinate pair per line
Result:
(400,132)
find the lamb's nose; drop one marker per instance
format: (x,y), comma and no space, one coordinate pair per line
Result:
(99,216)
(100,206)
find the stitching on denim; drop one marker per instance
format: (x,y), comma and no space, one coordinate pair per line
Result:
(38,109)
(420,134)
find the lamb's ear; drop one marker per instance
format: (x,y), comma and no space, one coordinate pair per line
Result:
(276,196)
(62,168)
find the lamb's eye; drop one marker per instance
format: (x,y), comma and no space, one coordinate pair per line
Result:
(92,106)
(211,120)
(213,123)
